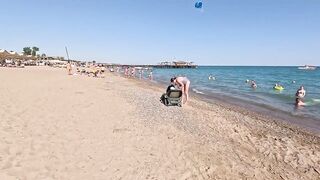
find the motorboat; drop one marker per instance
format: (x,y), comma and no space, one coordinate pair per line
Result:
(307,67)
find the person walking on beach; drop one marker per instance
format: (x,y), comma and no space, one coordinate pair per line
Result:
(184,84)
(126,71)
(69,68)
(140,73)
(133,72)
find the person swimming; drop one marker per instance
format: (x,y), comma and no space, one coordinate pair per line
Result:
(211,77)
(254,84)
(301,92)
(184,84)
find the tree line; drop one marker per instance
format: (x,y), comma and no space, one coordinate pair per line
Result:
(32,51)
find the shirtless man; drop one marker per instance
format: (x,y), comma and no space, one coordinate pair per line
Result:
(184,84)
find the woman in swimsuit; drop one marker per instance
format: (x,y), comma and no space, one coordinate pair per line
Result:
(299,102)
(184,84)
(301,92)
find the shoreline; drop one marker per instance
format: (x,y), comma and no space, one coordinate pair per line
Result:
(285,119)
(232,87)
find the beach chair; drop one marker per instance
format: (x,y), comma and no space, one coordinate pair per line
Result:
(172,98)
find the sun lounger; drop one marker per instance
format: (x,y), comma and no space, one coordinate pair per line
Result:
(172,98)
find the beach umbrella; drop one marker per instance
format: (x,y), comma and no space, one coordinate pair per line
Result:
(14,55)
(4,54)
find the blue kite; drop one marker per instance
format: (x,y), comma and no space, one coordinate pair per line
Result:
(198,5)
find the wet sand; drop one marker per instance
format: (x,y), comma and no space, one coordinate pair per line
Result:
(55,126)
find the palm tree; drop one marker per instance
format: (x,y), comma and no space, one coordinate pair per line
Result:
(27,51)
(34,50)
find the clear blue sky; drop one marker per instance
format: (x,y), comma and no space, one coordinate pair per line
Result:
(225,32)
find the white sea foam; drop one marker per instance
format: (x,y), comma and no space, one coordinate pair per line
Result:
(197,91)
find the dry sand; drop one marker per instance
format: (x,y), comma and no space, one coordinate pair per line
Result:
(54,126)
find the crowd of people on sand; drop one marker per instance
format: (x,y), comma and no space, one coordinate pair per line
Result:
(17,63)
(137,72)
(11,63)
(98,70)
(90,69)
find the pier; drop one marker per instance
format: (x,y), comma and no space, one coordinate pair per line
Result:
(167,65)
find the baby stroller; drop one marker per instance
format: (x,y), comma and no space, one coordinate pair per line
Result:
(173,97)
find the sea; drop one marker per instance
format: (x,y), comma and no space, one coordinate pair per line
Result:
(229,82)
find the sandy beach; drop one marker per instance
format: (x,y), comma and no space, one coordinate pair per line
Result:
(55,126)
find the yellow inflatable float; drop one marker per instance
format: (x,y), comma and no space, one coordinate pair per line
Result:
(278,87)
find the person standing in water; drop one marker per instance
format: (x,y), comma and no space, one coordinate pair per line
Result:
(301,92)
(184,84)
(253,84)
(150,75)
(299,102)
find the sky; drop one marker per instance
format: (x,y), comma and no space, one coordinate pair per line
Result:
(223,32)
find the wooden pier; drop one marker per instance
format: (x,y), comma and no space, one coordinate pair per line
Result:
(167,65)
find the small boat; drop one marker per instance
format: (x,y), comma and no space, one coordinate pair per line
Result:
(307,67)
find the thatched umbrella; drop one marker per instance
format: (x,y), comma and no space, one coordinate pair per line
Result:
(21,56)
(4,54)
(14,55)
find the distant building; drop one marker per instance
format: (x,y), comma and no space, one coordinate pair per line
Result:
(176,64)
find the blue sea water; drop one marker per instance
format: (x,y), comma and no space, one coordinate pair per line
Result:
(230,81)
